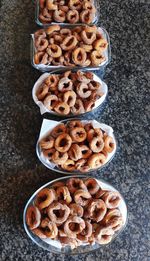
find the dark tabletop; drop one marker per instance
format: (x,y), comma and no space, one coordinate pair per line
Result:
(126,111)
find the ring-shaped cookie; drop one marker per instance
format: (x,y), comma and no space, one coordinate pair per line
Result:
(59,129)
(109,144)
(54,50)
(33,217)
(42,91)
(59,16)
(69,43)
(45,197)
(47,142)
(64,194)
(62,108)
(41,58)
(69,165)
(72,16)
(112,199)
(82,197)
(96,160)
(79,56)
(70,98)
(63,142)
(78,134)
(83,90)
(59,157)
(50,101)
(92,185)
(65,84)
(75,152)
(63,212)
(73,226)
(96,210)
(96,144)
(97,58)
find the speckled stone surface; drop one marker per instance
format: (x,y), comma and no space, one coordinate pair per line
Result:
(126,111)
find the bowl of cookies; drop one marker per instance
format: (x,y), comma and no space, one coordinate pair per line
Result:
(65,12)
(65,47)
(76,214)
(69,93)
(75,146)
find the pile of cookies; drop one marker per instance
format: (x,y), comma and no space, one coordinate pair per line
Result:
(77,146)
(75,212)
(69,92)
(77,46)
(66,11)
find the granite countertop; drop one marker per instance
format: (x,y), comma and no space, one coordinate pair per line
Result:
(126,111)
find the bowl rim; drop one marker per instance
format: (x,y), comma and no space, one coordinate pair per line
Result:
(71,253)
(56,169)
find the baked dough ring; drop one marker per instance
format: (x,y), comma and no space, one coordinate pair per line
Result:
(45,197)
(47,142)
(50,101)
(114,219)
(76,210)
(52,81)
(96,144)
(33,217)
(59,129)
(82,197)
(83,90)
(70,98)
(97,58)
(59,16)
(92,185)
(75,4)
(74,124)
(52,29)
(73,226)
(64,194)
(75,152)
(50,229)
(75,184)
(42,91)
(50,5)
(54,51)
(109,144)
(48,153)
(100,44)
(88,35)
(86,232)
(78,108)
(96,210)
(73,16)
(79,56)
(65,84)
(69,43)
(104,235)
(61,208)
(69,165)
(78,134)
(112,199)
(63,142)
(86,152)
(96,160)
(41,58)
(59,157)
(86,16)
(41,43)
